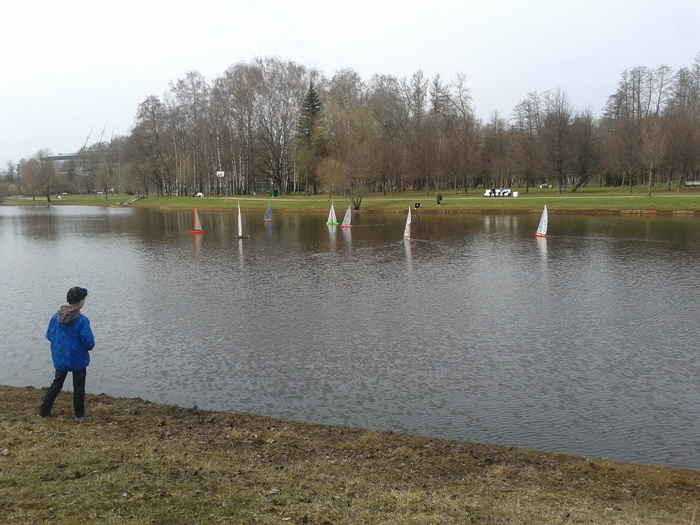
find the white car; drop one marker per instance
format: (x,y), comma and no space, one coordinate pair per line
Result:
(199,194)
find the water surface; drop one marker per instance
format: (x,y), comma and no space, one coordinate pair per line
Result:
(584,342)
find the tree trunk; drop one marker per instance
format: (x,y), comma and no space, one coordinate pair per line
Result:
(582,179)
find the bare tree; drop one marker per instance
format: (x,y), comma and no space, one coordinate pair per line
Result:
(458,151)
(153,142)
(415,92)
(460,98)
(682,144)
(38,175)
(585,150)
(353,137)
(193,148)
(686,88)
(386,102)
(363,141)
(497,161)
(281,94)
(346,89)
(652,150)
(527,122)
(332,174)
(30,176)
(624,148)
(555,134)
(236,102)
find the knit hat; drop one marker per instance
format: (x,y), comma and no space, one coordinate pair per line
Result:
(76,294)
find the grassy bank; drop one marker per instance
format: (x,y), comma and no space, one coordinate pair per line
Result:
(585,200)
(133,461)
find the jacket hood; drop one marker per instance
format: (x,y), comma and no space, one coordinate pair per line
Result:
(67,314)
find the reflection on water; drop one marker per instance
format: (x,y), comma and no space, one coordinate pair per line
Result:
(542,246)
(407,249)
(197,241)
(583,342)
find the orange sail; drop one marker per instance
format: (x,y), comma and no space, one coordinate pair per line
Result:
(197,222)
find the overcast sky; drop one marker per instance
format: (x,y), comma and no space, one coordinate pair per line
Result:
(71,69)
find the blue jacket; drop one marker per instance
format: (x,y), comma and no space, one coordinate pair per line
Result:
(71,339)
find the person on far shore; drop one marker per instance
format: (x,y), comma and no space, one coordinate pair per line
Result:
(438,199)
(71,341)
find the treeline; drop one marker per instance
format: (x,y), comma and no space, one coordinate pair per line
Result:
(274,124)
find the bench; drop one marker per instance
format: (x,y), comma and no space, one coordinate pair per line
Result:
(497,193)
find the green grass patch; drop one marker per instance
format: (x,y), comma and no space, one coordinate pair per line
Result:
(585,200)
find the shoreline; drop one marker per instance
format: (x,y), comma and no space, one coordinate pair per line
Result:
(139,462)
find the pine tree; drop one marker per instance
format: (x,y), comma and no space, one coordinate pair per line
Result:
(311,111)
(309,137)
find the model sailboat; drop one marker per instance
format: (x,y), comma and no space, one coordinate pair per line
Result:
(331,216)
(542,227)
(197,222)
(347,219)
(407,229)
(240,225)
(268,214)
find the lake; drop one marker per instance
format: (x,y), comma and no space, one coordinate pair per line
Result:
(585,342)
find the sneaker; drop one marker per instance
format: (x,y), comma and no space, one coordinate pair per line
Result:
(44,416)
(81,417)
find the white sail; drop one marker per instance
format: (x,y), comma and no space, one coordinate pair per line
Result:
(347,219)
(240,224)
(407,230)
(331,216)
(542,227)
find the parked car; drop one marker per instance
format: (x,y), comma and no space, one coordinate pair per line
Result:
(198,194)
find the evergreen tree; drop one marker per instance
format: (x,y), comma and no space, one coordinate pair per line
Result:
(310,113)
(309,138)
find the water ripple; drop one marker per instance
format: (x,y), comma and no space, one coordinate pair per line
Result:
(473,330)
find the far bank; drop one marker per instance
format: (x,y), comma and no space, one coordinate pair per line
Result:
(584,201)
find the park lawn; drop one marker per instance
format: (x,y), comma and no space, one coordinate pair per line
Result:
(585,200)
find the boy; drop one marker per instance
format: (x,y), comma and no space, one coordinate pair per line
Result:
(71,341)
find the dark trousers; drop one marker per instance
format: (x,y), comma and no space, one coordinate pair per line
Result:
(55,389)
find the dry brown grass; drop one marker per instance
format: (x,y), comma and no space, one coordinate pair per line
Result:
(133,461)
